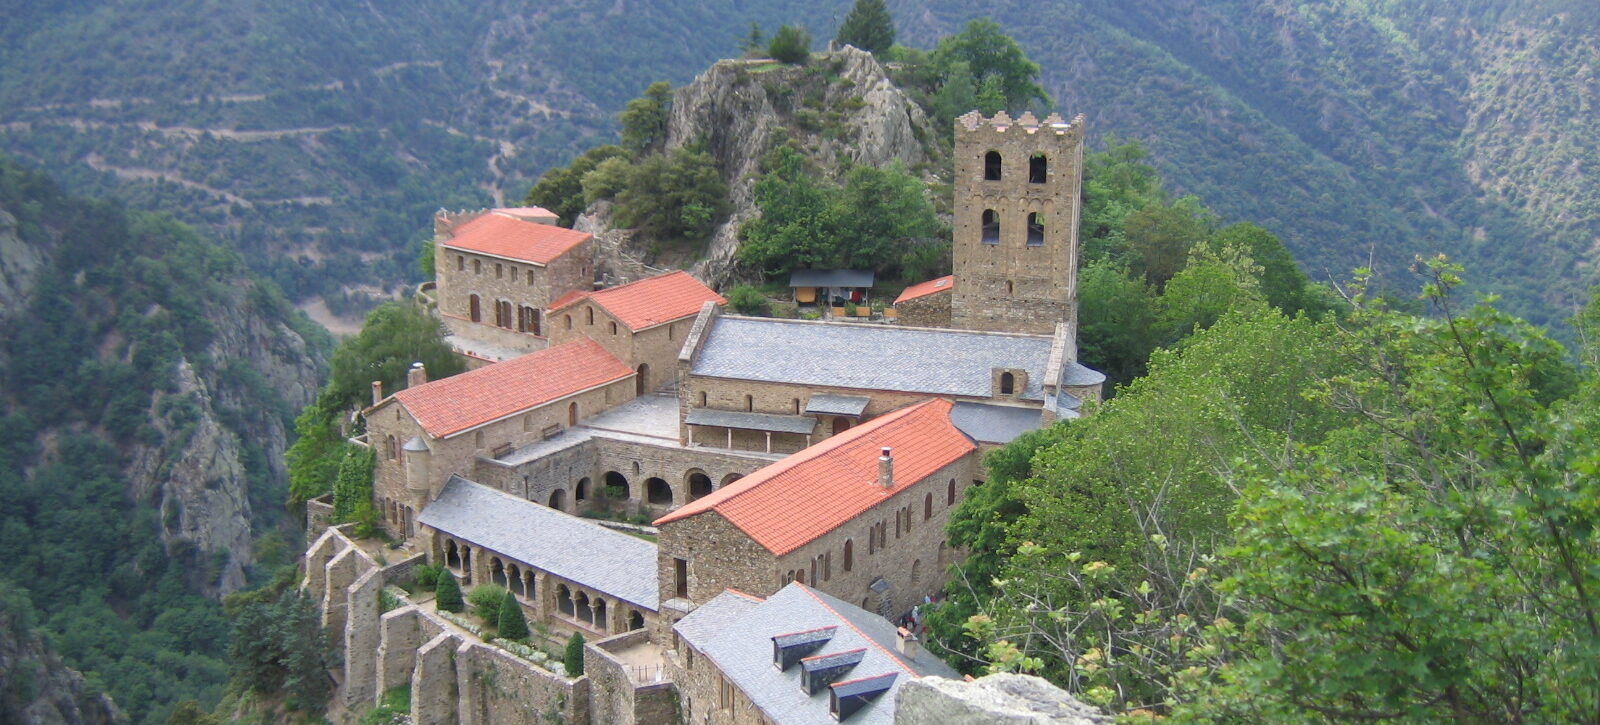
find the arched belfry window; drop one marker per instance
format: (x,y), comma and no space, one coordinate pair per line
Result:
(1008,384)
(991,166)
(991,227)
(1038,168)
(1035,229)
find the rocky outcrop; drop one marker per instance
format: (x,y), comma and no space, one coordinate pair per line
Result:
(993,700)
(18,263)
(37,688)
(841,108)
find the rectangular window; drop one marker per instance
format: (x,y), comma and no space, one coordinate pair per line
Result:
(725,695)
(680,573)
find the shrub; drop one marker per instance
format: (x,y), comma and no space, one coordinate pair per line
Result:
(448,593)
(748,300)
(573,659)
(512,624)
(428,575)
(485,600)
(791,44)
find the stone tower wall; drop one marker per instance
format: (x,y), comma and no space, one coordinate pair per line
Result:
(1012,286)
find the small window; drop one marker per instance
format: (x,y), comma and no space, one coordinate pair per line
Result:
(702,398)
(477,266)
(572,413)
(1011,287)
(680,571)
(514,273)
(796,406)
(991,166)
(950,495)
(591,316)
(991,227)
(849,554)
(567,319)
(461,263)
(530,278)
(1008,384)
(499,271)
(1038,168)
(749,404)
(477,439)
(927,506)
(1035,229)
(613,328)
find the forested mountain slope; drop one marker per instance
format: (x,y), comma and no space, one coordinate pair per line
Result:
(148,382)
(1356,130)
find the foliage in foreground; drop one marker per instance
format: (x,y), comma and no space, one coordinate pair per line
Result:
(1422,547)
(278,646)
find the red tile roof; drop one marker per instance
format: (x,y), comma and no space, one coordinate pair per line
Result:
(451,405)
(923,289)
(789,503)
(649,302)
(505,236)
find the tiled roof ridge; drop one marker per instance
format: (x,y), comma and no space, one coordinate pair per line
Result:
(846,620)
(749,483)
(927,287)
(523,241)
(885,328)
(622,292)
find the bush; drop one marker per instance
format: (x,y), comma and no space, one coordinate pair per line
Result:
(447,593)
(573,659)
(791,44)
(512,624)
(485,600)
(428,575)
(748,300)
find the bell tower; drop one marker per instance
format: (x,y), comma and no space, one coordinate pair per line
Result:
(1018,183)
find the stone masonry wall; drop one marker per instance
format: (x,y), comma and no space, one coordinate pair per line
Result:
(613,698)
(926,311)
(461,273)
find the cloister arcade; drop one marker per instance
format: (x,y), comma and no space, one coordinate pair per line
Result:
(545,597)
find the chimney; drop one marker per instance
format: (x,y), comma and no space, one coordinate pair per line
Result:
(905,642)
(377,392)
(417,375)
(886,469)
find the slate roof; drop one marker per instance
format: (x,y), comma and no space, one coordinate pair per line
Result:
(993,423)
(1078,375)
(831,278)
(870,357)
(607,561)
(458,403)
(503,235)
(651,301)
(735,632)
(803,496)
(823,404)
(923,289)
(751,421)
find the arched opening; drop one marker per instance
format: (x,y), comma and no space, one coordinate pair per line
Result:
(585,610)
(800,576)
(916,571)
(600,613)
(699,484)
(849,554)
(641,383)
(529,321)
(1008,384)
(475,308)
(613,328)
(1035,229)
(530,585)
(1038,168)
(566,321)
(572,413)
(514,575)
(452,556)
(730,478)
(477,266)
(582,489)
(991,166)
(950,494)
(502,314)
(497,571)
(591,315)
(657,491)
(635,620)
(564,600)
(840,424)
(991,227)
(927,506)
(1011,287)
(702,398)
(558,500)
(392,447)
(617,486)
(461,263)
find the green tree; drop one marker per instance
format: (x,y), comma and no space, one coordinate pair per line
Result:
(644,119)
(990,53)
(791,44)
(1159,237)
(748,300)
(1117,321)
(561,189)
(957,94)
(867,26)
(485,600)
(278,646)
(572,659)
(425,259)
(190,712)
(447,593)
(673,196)
(513,625)
(1207,288)
(1283,283)
(316,455)
(754,41)
(395,335)
(353,486)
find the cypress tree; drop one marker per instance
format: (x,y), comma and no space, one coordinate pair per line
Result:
(447,593)
(573,661)
(868,27)
(512,625)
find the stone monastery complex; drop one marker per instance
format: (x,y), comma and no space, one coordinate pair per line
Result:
(797,475)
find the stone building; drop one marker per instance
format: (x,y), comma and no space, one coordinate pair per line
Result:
(431,430)
(771,385)
(496,272)
(798,656)
(643,323)
(1015,252)
(860,516)
(926,304)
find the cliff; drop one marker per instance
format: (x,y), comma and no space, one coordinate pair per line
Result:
(39,689)
(841,108)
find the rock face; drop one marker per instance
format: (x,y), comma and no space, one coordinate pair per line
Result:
(841,108)
(991,700)
(38,688)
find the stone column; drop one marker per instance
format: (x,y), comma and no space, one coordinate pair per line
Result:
(361,640)
(433,682)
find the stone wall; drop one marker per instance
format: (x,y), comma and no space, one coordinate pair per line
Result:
(1001,699)
(462,273)
(702,696)
(656,346)
(495,687)
(926,311)
(613,696)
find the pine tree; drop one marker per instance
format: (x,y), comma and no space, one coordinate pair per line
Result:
(447,593)
(868,27)
(512,625)
(573,661)
(791,44)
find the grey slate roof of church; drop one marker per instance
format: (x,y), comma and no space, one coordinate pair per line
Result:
(607,561)
(871,357)
(736,632)
(751,421)
(993,423)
